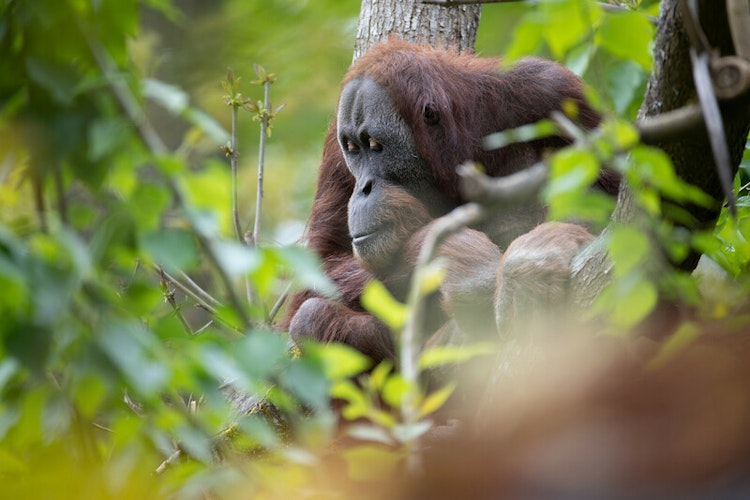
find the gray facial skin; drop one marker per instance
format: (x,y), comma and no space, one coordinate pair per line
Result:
(380,152)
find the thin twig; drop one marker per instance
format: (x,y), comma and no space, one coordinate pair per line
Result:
(234,156)
(265,116)
(200,302)
(443,227)
(280,302)
(412,335)
(195,286)
(166,463)
(230,328)
(186,290)
(568,128)
(169,294)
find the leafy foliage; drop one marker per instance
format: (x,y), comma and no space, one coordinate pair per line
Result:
(132,363)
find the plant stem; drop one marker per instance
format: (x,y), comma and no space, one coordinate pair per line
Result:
(233,160)
(198,289)
(169,294)
(265,115)
(412,336)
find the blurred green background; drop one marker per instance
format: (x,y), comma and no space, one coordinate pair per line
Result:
(308,45)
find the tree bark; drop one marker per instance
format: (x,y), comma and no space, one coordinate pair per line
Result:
(671,87)
(454,27)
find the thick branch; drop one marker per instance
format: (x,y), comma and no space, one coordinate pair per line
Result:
(509,190)
(454,3)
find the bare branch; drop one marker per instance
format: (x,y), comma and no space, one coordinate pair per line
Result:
(234,156)
(166,463)
(607,7)
(169,294)
(509,190)
(195,286)
(279,303)
(658,128)
(411,339)
(186,290)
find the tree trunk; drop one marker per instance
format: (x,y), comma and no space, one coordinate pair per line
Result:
(416,22)
(671,87)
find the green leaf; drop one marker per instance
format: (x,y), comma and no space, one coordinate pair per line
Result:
(196,443)
(442,355)
(174,249)
(106,136)
(395,389)
(528,37)
(306,380)
(208,125)
(636,297)
(263,353)
(339,360)
(130,347)
(259,429)
(369,463)
(624,84)
(628,36)
(237,259)
(306,269)
(380,374)
(9,367)
(57,78)
(579,58)
(147,204)
(10,464)
(377,300)
(89,392)
(620,134)
(572,170)
(683,337)
(655,167)
(171,97)
(223,367)
(567,23)
(15,297)
(436,400)
(431,276)
(357,405)
(524,133)
(628,248)
(171,165)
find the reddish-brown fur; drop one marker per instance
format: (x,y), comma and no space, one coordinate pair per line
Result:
(472,97)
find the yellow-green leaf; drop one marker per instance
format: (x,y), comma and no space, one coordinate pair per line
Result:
(381,303)
(435,401)
(448,354)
